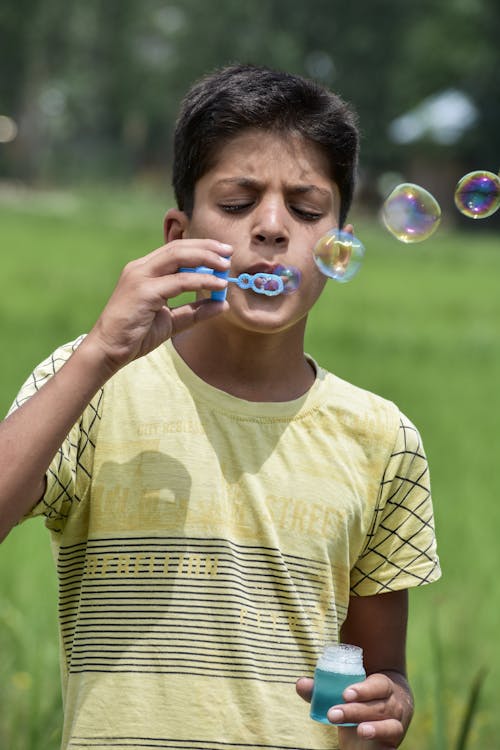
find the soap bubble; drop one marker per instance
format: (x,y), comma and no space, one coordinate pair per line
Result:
(477,194)
(411,213)
(338,255)
(290,276)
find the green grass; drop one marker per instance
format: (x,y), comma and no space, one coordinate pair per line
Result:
(419,325)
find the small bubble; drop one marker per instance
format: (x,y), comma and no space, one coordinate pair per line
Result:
(338,255)
(477,194)
(290,277)
(411,213)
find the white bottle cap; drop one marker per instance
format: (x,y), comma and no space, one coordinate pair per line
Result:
(342,658)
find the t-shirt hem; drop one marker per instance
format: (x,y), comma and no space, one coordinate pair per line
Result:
(418,577)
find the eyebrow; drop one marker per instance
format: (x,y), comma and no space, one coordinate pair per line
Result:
(249,182)
(310,189)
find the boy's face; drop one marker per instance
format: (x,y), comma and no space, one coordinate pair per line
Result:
(271,197)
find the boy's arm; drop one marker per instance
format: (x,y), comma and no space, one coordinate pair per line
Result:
(32,434)
(381,705)
(134,322)
(402,555)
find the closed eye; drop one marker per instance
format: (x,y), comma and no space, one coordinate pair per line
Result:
(234,208)
(303,214)
(307,215)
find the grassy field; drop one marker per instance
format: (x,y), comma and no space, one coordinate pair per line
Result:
(419,325)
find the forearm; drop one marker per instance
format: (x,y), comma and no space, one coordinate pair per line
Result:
(382,706)
(31,436)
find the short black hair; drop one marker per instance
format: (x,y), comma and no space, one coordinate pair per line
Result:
(232,99)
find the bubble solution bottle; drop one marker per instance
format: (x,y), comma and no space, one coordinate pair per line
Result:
(339,666)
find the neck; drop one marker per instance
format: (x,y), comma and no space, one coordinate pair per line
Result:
(251,366)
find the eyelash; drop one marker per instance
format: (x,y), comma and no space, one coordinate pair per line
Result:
(307,215)
(234,208)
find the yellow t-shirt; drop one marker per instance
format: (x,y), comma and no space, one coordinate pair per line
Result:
(207,546)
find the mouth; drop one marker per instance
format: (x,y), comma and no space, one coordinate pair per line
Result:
(261,268)
(286,278)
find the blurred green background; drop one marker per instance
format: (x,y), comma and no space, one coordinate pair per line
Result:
(88,95)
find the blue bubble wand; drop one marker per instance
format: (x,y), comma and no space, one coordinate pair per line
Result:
(269,284)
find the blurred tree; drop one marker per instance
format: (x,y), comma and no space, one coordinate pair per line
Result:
(27,33)
(95,84)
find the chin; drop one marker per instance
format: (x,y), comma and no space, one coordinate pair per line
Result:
(262,320)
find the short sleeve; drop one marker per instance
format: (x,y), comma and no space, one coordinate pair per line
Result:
(400,549)
(68,476)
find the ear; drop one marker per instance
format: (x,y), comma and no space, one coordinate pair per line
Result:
(175,225)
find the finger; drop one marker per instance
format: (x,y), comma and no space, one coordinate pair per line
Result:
(304,686)
(356,738)
(167,287)
(375,687)
(349,229)
(186,316)
(390,732)
(356,713)
(191,253)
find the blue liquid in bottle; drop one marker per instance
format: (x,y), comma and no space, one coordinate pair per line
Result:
(338,667)
(328,689)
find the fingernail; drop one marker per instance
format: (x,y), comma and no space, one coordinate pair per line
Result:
(366,731)
(228,248)
(335,715)
(349,695)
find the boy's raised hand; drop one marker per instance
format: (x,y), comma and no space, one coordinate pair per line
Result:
(135,321)
(137,317)
(381,706)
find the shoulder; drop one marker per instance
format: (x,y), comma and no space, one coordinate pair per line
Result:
(58,357)
(45,370)
(365,414)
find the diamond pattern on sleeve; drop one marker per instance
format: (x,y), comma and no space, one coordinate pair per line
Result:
(400,549)
(68,476)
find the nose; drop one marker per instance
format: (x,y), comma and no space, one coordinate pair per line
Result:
(270,226)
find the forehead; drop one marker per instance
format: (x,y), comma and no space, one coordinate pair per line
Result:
(266,154)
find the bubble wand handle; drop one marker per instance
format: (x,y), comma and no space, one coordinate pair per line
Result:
(269,284)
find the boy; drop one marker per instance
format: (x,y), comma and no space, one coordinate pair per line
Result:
(220,505)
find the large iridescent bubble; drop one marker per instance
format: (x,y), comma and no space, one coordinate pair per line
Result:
(338,255)
(477,194)
(411,213)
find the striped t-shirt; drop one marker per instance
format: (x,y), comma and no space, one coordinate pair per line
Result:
(207,547)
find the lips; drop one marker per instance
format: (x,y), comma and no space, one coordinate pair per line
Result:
(262,268)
